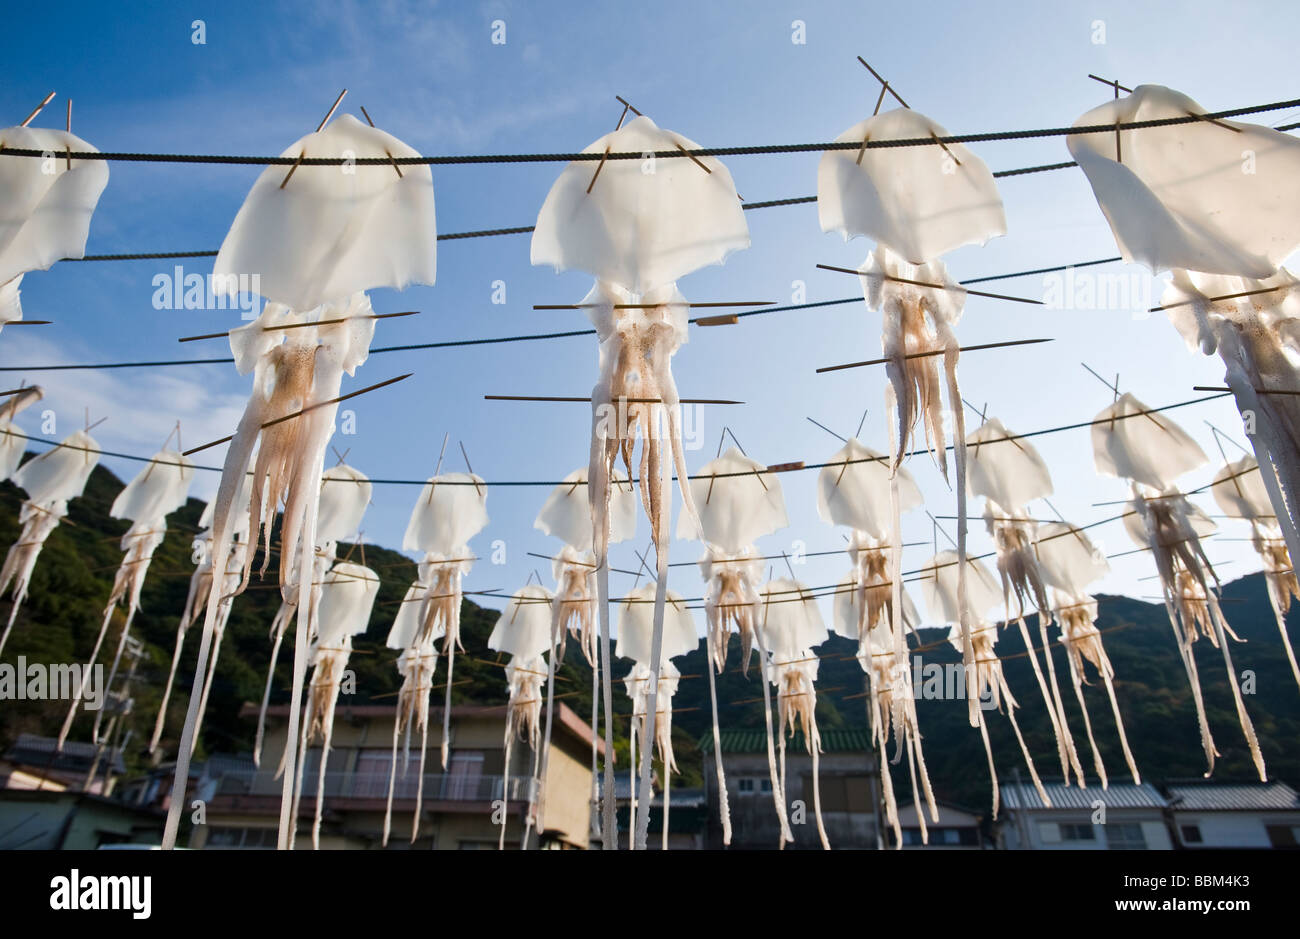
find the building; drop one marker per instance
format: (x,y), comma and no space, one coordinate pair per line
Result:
(50,820)
(1207,814)
(957,828)
(850,800)
(461,807)
(1122,816)
(35,763)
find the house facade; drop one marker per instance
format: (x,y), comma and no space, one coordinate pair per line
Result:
(1207,815)
(849,790)
(461,806)
(1120,817)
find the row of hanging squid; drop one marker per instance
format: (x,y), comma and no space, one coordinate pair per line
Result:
(320,239)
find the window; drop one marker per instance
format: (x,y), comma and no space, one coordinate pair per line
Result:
(745,784)
(765,785)
(1071,832)
(464,773)
(1192,834)
(1125,836)
(371,777)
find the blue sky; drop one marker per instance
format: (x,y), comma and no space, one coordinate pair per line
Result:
(720,73)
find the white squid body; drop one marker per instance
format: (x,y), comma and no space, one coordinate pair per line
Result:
(856,489)
(1180,196)
(943,601)
(316,241)
(637,226)
(1258,339)
(1240,491)
(916,203)
(344,496)
(450,510)
(347,597)
(1009,474)
(566,515)
(791,626)
(1152,452)
(12,440)
(50,480)
(415,663)
(860,599)
(335,230)
(48,204)
(159,489)
(737,502)
(1069,562)
(523,631)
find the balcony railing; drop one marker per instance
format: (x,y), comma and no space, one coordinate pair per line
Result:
(350,785)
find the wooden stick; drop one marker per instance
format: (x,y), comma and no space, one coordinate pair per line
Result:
(342,319)
(708,305)
(883,82)
(575,400)
(922,355)
(1226,296)
(730,319)
(599,166)
(289,417)
(333,108)
(921,283)
(38,109)
(1258,391)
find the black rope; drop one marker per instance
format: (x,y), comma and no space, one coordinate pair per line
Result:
(529,337)
(657,154)
(796,469)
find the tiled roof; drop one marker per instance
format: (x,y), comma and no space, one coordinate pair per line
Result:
(1023,795)
(32,750)
(838,740)
(1225,797)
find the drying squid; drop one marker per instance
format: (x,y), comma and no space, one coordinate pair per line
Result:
(48,203)
(347,595)
(790,626)
(859,598)
(566,515)
(415,663)
(1151,452)
(1239,490)
(13,442)
(857,489)
(523,631)
(450,510)
(1009,473)
(1215,202)
(313,239)
(50,480)
(637,685)
(344,495)
(1252,324)
(635,642)
(917,203)
(939,577)
(157,490)
(637,226)
(738,502)
(1069,562)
